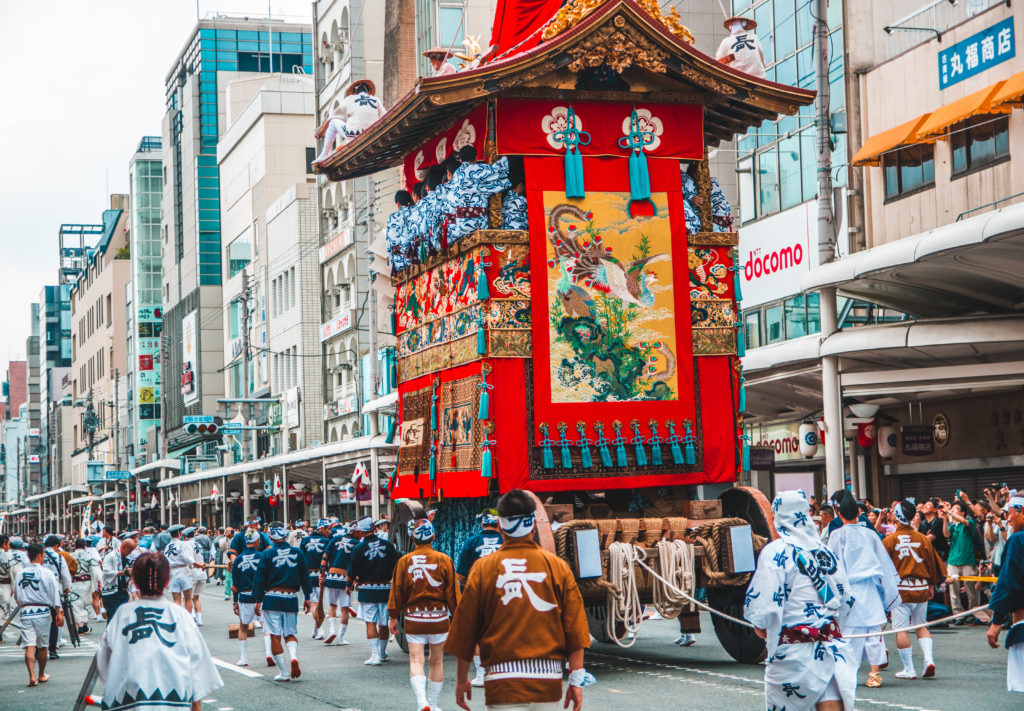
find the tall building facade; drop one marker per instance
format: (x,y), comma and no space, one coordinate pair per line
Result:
(144,317)
(15,389)
(218,50)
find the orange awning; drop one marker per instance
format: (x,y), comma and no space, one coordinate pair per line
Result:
(873,149)
(980,102)
(1011,94)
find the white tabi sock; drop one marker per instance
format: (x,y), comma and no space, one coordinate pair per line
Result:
(293,650)
(434,692)
(341,633)
(374,647)
(199,618)
(281,665)
(419,687)
(332,623)
(243,650)
(926,647)
(907,655)
(266,645)
(382,645)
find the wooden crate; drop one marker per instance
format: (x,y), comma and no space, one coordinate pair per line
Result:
(233,630)
(703,510)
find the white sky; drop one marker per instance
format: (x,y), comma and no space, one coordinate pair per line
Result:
(85,81)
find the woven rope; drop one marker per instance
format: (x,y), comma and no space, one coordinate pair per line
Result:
(710,535)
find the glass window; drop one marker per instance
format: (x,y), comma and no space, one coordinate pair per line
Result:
(239,254)
(813,312)
(789,172)
(763,17)
(451,29)
(768,181)
(839,161)
(785,72)
(979,141)
(804,23)
(773,324)
(908,169)
(796,317)
(785,34)
(809,163)
(752,328)
(745,175)
(234,319)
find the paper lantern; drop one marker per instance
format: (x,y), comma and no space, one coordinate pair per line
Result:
(887,441)
(272,500)
(808,440)
(240,501)
(308,498)
(867,433)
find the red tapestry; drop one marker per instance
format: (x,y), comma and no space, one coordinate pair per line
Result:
(528,127)
(470,130)
(517,23)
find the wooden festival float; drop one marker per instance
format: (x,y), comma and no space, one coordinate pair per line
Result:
(592,359)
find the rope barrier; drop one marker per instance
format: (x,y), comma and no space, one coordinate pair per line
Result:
(676,560)
(744,623)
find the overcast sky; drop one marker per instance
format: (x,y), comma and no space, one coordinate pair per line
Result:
(84,84)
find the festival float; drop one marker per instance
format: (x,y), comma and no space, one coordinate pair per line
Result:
(594,357)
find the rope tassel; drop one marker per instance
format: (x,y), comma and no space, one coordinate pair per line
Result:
(690,449)
(746,452)
(545,445)
(638,443)
(481,338)
(636,142)
(584,444)
(433,461)
(655,442)
(564,443)
(673,442)
(602,445)
(483,292)
(433,405)
(620,445)
(741,341)
(483,412)
(737,270)
(485,458)
(573,137)
(743,395)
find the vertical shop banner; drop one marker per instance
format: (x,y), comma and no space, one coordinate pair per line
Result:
(190,358)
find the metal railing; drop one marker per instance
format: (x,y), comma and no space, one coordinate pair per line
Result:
(933,19)
(987,205)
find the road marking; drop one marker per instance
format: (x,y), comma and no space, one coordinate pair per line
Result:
(237,669)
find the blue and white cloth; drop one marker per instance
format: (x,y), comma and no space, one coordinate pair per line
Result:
(513,212)
(467,195)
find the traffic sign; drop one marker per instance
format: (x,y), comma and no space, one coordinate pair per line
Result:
(116,475)
(230,430)
(196,419)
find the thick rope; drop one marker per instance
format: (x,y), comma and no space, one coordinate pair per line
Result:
(744,623)
(710,536)
(676,561)
(624,606)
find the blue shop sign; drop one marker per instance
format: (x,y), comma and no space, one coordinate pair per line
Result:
(981,51)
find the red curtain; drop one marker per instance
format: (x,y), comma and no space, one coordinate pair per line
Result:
(515,20)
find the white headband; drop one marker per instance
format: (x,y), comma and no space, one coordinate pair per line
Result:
(897,511)
(518,526)
(1016,502)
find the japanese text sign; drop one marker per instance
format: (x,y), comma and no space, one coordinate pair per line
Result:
(977,53)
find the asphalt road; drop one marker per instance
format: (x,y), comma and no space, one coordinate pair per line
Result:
(652,674)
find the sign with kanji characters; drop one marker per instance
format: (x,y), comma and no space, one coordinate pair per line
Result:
(981,51)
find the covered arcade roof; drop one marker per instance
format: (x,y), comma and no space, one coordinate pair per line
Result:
(651,59)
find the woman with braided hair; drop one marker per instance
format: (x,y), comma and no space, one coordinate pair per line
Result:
(152,655)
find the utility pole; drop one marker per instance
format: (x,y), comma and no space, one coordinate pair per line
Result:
(831,397)
(372,323)
(117,421)
(245,359)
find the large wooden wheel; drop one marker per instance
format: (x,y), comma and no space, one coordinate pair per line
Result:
(740,642)
(751,505)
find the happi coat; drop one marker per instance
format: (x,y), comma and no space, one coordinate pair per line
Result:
(1007,603)
(425,590)
(469,190)
(917,563)
(153,657)
(522,606)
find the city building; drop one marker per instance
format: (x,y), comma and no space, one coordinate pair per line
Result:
(271,276)
(15,389)
(144,312)
(218,50)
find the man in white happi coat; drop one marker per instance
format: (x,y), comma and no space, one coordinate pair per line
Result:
(37,590)
(874,584)
(8,571)
(439,63)
(358,110)
(797,600)
(741,50)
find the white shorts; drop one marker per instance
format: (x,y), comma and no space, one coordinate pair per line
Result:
(314,595)
(180,583)
(246,612)
(339,597)
(35,627)
(198,586)
(427,638)
(279,624)
(907,614)
(831,692)
(376,612)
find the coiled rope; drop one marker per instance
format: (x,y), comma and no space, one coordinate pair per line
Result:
(624,605)
(676,562)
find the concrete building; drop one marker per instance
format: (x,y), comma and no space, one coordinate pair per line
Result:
(15,389)
(218,50)
(269,228)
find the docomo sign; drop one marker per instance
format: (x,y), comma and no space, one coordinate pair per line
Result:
(760,263)
(783,438)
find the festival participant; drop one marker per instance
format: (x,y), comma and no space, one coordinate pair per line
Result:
(8,572)
(371,568)
(37,590)
(334,578)
(741,50)
(425,591)
(356,112)
(797,600)
(238,540)
(82,585)
(54,561)
(181,557)
(313,546)
(297,533)
(161,539)
(199,574)
(513,205)
(281,573)
(482,544)
(873,582)
(243,573)
(1007,602)
(396,232)
(438,57)
(97,577)
(469,189)
(522,607)
(919,568)
(152,655)
(116,574)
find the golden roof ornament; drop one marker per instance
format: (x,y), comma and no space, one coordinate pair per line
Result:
(573,12)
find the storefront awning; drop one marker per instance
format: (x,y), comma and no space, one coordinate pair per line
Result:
(1011,93)
(385,404)
(56,492)
(980,102)
(80,501)
(873,149)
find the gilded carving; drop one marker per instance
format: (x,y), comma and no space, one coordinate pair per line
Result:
(573,12)
(618,50)
(713,239)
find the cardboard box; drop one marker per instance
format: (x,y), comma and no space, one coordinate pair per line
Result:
(703,510)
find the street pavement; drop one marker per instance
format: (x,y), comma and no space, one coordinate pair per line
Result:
(652,674)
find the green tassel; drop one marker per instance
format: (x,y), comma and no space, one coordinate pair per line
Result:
(483,292)
(638,444)
(549,458)
(690,450)
(545,444)
(655,441)
(743,395)
(484,410)
(620,447)
(736,279)
(392,425)
(746,457)
(606,455)
(485,463)
(433,411)
(481,339)
(677,453)
(433,462)
(639,179)
(564,443)
(585,459)
(571,138)
(394,322)
(741,341)
(584,443)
